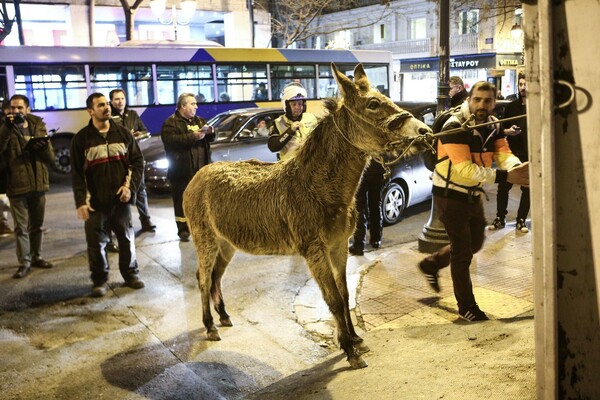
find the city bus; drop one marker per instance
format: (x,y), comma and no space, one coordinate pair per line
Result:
(57,80)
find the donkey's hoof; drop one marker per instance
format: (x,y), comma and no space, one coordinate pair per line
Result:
(226,321)
(213,336)
(357,362)
(362,347)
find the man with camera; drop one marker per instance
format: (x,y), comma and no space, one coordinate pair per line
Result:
(25,150)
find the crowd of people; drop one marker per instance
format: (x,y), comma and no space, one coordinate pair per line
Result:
(107,178)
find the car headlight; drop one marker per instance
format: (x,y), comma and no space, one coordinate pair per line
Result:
(162,163)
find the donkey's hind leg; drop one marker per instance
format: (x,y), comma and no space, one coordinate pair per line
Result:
(320,266)
(339,259)
(224,256)
(207,252)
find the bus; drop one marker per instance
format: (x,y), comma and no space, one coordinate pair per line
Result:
(57,80)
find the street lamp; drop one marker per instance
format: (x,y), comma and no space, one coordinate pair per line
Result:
(175,17)
(517,30)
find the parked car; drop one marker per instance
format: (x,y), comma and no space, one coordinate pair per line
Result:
(236,140)
(410,180)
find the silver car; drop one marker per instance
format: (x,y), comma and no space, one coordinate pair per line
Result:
(237,139)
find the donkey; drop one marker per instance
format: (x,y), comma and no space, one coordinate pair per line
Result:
(304,205)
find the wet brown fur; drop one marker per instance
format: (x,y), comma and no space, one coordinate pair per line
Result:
(304,205)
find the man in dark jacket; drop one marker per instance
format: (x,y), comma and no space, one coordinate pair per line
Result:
(516,135)
(106,167)
(186,138)
(457,93)
(25,158)
(130,119)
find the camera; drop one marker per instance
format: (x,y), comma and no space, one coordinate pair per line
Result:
(18,118)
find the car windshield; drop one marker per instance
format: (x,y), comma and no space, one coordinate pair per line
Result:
(228,126)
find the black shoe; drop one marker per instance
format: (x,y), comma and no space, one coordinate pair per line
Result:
(134,282)
(497,224)
(22,272)
(432,277)
(376,245)
(148,226)
(473,314)
(184,236)
(99,290)
(41,263)
(112,247)
(355,251)
(521,226)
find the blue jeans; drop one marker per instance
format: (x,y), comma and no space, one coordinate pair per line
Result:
(28,217)
(96,234)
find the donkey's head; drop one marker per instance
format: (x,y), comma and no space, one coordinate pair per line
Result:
(377,124)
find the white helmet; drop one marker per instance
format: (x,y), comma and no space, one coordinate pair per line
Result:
(292,91)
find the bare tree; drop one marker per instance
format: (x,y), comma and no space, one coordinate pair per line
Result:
(129,12)
(293,21)
(6,22)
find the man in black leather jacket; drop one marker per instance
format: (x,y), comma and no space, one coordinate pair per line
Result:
(186,138)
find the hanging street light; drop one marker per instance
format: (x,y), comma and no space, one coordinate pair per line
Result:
(175,16)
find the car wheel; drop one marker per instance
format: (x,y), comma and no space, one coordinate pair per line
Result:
(62,156)
(394,203)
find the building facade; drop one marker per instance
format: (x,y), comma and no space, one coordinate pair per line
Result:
(482,44)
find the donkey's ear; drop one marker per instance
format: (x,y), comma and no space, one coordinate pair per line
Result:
(360,78)
(345,85)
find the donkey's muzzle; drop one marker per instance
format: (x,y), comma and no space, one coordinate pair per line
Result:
(399,120)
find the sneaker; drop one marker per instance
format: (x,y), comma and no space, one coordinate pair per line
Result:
(22,272)
(521,226)
(497,224)
(41,263)
(473,314)
(376,244)
(99,290)
(112,247)
(134,282)
(432,278)
(356,252)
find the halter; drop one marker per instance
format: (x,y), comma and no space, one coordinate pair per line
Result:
(389,146)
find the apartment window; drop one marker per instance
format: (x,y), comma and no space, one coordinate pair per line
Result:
(418,28)
(468,22)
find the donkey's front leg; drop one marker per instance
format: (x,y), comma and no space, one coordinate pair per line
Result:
(320,266)
(339,258)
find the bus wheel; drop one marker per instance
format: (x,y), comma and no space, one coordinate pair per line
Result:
(62,156)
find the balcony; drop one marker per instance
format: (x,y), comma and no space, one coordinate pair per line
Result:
(459,44)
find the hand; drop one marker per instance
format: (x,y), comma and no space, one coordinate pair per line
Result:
(512,131)
(295,126)
(124,194)
(199,135)
(207,129)
(519,175)
(83,212)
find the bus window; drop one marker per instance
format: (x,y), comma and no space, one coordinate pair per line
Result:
(239,81)
(283,74)
(136,80)
(172,80)
(327,85)
(52,87)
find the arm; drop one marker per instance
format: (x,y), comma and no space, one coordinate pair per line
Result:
(278,141)
(138,124)
(78,171)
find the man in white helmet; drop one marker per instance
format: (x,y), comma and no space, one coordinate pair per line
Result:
(291,129)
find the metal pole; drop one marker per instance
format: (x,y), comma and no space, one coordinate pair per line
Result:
(434,234)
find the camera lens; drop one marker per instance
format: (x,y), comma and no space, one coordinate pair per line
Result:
(18,118)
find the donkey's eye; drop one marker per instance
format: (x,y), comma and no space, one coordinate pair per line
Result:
(373,104)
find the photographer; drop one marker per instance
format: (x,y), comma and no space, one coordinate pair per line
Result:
(25,151)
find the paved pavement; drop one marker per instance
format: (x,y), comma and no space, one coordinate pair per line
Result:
(59,343)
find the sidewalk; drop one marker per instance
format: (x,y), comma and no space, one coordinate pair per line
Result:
(420,349)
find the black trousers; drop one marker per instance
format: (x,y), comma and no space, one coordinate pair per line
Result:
(370,214)
(97,236)
(502,201)
(141,202)
(465,224)
(177,189)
